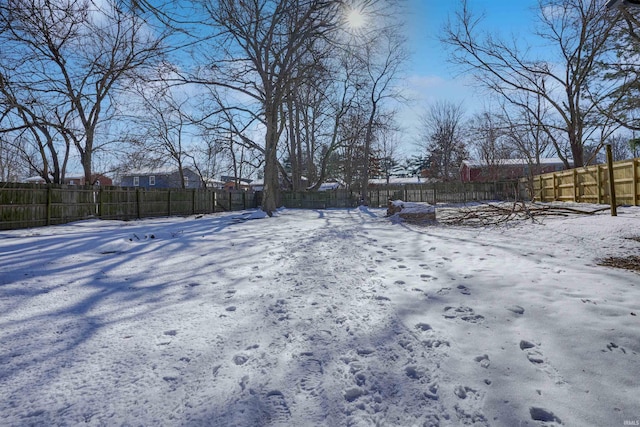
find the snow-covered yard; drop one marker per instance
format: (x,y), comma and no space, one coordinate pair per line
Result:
(320,318)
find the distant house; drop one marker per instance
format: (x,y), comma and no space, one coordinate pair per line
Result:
(96,179)
(215,184)
(395,180)
(161,179)
(331,185)
(505,169)
(233,183)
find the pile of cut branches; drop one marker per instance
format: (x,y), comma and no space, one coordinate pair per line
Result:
(485,214)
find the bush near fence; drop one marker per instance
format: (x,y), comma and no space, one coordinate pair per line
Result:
(35,205)
(590,184)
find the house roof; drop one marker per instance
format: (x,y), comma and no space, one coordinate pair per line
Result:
(227,178)
(38,178)
(397,180)
(513,162)
(153,172)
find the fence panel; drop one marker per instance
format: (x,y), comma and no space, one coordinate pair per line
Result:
(23,205)
(35,205)
(118,203)
(591,184)
(450,192)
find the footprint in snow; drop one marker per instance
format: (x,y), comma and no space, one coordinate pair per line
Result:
(276,409)
(516,309)
(463,313)
(423,327)
(483,360)
(469,406)
(464,290)
(535,356)
(312,374)
(414,372)
(540,414)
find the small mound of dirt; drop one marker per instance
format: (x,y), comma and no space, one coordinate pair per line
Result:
(628,263)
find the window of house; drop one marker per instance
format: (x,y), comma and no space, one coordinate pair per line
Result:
(186,181)
(136,181)
(152,180)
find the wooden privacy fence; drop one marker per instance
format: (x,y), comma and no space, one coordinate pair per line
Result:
(34,205)
(439,192)
(591,184)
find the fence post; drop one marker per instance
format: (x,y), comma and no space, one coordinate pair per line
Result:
(541,190)
(49,202)
(168,202)
(138,207)
(599,183)
(612,184)
(100,207)
(555,187)
(634,164)
(576,197)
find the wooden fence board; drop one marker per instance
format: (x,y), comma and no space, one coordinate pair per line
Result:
(591,184)
(34,205)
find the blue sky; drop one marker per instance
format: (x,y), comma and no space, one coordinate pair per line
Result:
(429,76)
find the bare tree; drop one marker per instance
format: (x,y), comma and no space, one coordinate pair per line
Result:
(71,58)
(489,136)
(621,66)
(264,44)
(442,130)
(566,81)
(164,126)
(382,57)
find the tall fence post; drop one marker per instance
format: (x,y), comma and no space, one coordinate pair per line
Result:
(612,184)
(634,164)
(541,190)
(138,203)
(599,183)
(49,202)
(100,206)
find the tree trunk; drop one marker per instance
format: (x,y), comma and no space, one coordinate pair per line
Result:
(271,191)
(364,185)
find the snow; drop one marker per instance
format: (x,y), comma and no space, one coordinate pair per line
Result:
(414,208)
(320,317)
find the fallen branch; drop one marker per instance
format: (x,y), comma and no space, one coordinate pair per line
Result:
(494,214)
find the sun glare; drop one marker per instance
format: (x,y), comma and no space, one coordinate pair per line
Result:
(355,19)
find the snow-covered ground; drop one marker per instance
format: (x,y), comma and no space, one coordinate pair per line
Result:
(320,318)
